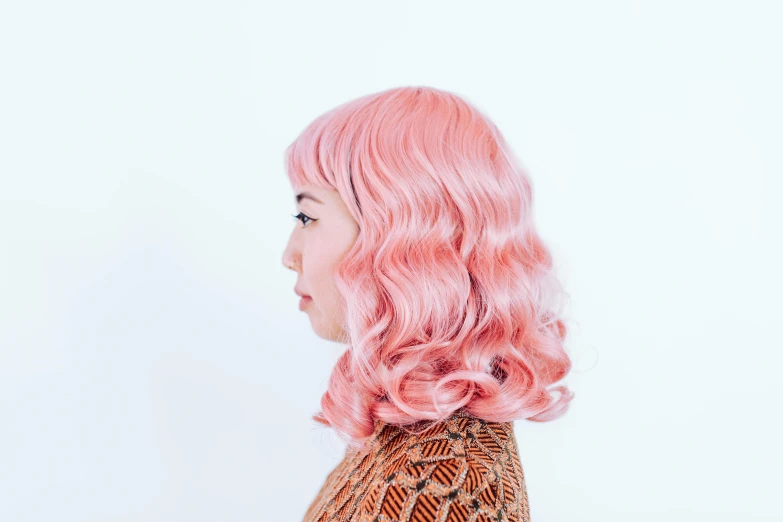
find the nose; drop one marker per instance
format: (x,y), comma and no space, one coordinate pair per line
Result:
(290,257)
(290,265)
(289,261)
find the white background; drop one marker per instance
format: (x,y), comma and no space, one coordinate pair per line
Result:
(153,363)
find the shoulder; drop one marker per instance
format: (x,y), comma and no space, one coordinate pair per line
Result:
(461,469)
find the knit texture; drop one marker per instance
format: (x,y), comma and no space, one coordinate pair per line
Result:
(462,469)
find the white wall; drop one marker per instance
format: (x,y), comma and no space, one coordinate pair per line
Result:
(153,363)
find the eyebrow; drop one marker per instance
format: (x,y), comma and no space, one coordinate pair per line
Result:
(306,195)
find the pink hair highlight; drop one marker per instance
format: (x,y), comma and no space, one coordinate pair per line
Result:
(452,300)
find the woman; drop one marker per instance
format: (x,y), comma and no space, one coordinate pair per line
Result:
(417,249)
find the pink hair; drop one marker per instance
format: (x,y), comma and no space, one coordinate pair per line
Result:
(451,297)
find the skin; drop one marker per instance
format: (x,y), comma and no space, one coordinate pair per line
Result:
(315,248)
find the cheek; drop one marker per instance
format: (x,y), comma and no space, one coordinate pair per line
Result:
(315,275)
(322,257)
(324,287)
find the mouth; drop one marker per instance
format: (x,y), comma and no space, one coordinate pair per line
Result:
(304,301)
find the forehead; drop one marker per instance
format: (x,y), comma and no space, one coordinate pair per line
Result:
(324,202)
(312,193)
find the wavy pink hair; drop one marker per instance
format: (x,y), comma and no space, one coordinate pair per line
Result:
(452,301)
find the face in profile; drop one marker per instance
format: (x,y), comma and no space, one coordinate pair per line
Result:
(323,233)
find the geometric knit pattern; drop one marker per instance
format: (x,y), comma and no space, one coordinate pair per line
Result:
(458,470)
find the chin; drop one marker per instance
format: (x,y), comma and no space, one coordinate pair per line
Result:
(330,333)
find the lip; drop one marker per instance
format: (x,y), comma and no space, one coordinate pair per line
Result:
(304,301)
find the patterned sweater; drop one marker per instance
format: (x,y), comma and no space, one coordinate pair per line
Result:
(461,469)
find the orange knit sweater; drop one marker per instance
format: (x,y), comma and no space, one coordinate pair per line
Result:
(461,469)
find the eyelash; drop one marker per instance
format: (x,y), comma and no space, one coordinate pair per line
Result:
(301,217)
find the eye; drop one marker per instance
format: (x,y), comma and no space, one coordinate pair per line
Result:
(302,217)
